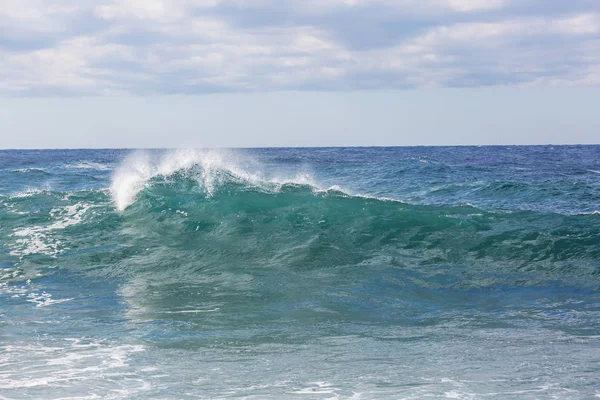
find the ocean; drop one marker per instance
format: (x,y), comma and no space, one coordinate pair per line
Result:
(301,273)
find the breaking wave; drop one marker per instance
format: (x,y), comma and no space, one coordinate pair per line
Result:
(211,169)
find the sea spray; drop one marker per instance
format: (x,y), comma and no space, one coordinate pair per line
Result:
(209,168)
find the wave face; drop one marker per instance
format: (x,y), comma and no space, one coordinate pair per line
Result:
(285,272)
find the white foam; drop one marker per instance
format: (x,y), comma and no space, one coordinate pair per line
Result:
(33,242)
(71,215)
(44,299)
(56,366)
(28,193)
(89,165)
(29,170)
(11,208)
(192,311)
(37,240)
(595,212)
(210,167)
(314,388)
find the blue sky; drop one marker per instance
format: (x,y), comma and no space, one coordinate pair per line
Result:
(55,50)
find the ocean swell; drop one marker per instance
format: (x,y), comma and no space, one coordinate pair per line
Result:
(172,214)
(216,208)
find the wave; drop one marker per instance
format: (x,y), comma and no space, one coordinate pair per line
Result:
(169,215)
(209,168)
(209,209)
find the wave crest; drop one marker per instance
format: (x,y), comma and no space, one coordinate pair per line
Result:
(210,168)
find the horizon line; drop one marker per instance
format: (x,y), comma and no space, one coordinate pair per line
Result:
(298,147)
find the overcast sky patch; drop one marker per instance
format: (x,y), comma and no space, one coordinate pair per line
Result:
(145,47)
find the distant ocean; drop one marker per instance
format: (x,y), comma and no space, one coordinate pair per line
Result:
(312,273)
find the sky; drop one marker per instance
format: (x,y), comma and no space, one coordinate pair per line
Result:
(245,73)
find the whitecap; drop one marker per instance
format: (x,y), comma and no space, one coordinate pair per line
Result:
(211,168)
(89,165)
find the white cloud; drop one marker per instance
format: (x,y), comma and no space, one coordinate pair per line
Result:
(476,5)
(584,24)
(64,68)
(158,10)
(195,46)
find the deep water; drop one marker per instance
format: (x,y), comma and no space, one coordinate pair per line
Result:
(408,273)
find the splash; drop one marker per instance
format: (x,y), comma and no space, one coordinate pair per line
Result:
(211,168)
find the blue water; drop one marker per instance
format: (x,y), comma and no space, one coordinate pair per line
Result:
(425,272)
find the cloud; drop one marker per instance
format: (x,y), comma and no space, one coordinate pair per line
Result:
(476,5)
(144,47)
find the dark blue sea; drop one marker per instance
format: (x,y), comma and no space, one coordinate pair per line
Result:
(312,273)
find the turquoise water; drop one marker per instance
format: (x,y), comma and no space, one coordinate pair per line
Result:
(467,272)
